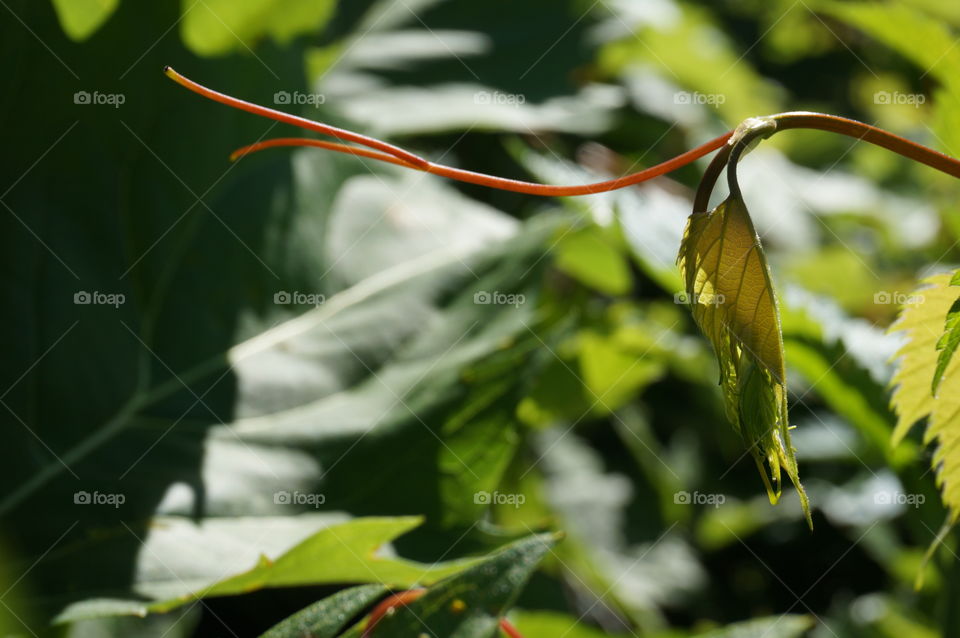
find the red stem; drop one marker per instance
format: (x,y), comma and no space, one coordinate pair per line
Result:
(384,152)
(509,629)
(286,118)
(502,183)
(871,134)
(388,153)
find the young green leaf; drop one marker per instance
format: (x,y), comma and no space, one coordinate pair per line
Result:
(342,552)
(918,362)
(730,293)
(324,618)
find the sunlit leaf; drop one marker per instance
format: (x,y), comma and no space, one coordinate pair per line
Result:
(342,553)
(730,293)
(922,321)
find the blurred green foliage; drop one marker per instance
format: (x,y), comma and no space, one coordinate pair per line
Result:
(380,345)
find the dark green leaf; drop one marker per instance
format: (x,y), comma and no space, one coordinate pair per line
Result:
(324,618)
(470,604)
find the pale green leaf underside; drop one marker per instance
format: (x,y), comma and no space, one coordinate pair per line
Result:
(732,300)
(923,324)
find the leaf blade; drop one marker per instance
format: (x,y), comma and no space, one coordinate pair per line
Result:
(731,294)
(471,603)
(918,360)
(324,618)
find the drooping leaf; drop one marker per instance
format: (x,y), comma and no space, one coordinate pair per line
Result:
(470,604)
(324,618)
(922,321)
(731,296)
(947,344)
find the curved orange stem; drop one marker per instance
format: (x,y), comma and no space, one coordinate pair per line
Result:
(868,133)
(385,152)
(330,146)
(502,183)
(509,629)
(286,118)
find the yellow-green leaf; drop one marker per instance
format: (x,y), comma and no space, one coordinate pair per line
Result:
(730,293)
(923,322)
(219,27)
(592,257)
(81,18)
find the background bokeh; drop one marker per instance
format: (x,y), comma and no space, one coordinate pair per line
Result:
(188,339)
